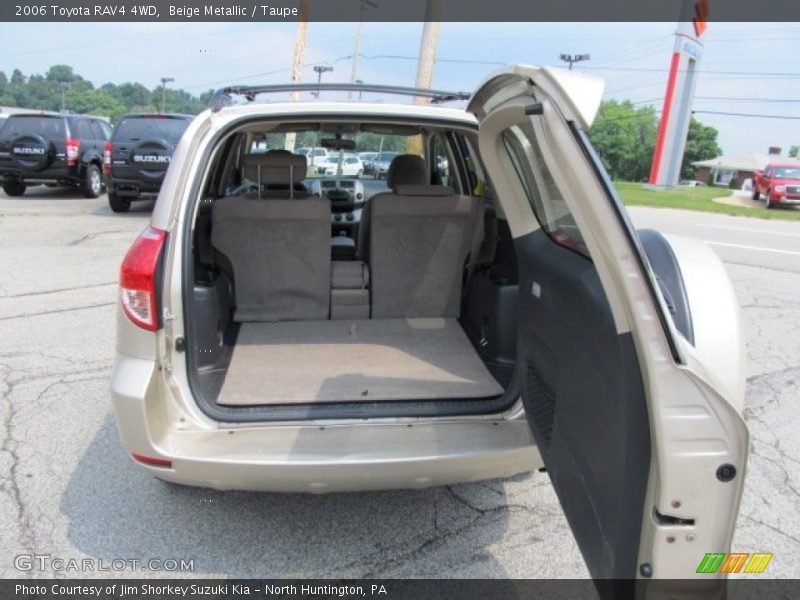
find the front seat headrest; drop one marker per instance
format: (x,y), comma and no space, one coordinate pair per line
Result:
(407,169)
(277,167)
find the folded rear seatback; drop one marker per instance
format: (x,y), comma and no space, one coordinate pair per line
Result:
(280,254)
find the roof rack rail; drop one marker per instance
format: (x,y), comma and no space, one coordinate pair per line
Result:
(223,96)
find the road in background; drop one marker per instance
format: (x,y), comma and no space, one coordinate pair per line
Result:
(69,489)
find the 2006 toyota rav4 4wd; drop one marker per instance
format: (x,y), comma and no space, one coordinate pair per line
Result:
(500,317)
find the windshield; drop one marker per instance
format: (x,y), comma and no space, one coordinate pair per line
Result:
(134,129)
(381,147)
(788,172)
(46,126)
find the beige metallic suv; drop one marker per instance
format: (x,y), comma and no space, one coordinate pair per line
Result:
(451,323)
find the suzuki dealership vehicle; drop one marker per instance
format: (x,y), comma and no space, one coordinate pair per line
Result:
(54,149)
(779,183)
(138,155)
(511,320)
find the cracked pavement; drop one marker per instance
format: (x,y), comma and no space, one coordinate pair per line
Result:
(67,488)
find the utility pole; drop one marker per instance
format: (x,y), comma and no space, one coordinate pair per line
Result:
(427,48)
(427,59)
(164,82)
(297,64)
(573,58)
(357,47)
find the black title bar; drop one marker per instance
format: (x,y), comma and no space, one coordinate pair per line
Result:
(276,11)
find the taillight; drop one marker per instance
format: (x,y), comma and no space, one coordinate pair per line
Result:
(73,149)
(107,158)
(138,279)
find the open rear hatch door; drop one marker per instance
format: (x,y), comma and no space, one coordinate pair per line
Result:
(639,425)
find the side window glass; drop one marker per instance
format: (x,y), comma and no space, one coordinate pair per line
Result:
(82,130)
(440,162)
(543,194)
(106,128)
(97,131)
(478,184)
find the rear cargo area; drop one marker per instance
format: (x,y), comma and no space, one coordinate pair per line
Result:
(365,360)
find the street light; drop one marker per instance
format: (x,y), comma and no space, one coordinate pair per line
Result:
(319,70)
(164,82)
(573,58)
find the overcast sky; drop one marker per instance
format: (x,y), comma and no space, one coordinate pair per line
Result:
(746,68)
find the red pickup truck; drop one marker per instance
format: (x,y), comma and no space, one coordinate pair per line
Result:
(780,184)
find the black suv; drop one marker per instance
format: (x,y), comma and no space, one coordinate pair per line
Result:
(137,157)
(52,148)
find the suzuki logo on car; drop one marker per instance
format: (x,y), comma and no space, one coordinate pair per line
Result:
(26,150)
(151,158)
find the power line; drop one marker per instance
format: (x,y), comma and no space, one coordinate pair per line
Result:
(659,70)
(733,114)
(729,99)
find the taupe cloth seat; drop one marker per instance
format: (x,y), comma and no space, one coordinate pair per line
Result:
(405,169)
(278,244)
(277,173)
(419,238)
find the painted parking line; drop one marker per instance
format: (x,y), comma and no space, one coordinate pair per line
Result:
(749,230)
(759,248)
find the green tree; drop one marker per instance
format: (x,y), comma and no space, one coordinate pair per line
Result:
(701,144)
(624,137)
(80,95)
(793,151)
(59,73)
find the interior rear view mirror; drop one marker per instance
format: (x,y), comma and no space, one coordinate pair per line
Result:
(338,144)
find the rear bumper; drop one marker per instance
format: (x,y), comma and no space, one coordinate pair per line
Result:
(44,176)
(315,457)
(131,187)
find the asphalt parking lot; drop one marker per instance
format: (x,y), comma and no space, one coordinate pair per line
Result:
(70,491)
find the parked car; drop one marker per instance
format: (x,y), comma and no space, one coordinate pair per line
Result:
(380,164)
(469,338)
(54,149)
(314,155)
(351,166)
(137,157)
(366,159)
(778,183)
(691,183)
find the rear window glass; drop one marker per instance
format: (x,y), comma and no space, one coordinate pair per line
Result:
(548,204)
(146,128)
(47,127)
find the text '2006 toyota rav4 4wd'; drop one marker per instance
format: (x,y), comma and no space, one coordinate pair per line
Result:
(491,317)
(54,149)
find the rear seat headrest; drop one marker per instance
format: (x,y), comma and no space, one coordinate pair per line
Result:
(278,167)
(407,169)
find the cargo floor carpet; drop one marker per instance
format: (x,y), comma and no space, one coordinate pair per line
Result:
(354,361)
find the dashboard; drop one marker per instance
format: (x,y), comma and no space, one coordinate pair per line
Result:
(346,195)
